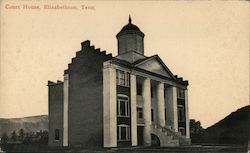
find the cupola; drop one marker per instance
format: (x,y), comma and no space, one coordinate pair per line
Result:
(130,39)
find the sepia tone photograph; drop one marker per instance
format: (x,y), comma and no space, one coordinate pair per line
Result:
(124,76)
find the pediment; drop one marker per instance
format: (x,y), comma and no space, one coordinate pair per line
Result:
(155,64)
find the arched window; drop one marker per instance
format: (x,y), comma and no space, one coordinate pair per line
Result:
(123,108)
(123,132)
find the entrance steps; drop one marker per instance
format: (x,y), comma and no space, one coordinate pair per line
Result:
(168,137)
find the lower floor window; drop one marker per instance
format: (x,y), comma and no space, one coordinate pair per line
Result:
(182,130)
(123,132)
(57,134)
(181,113)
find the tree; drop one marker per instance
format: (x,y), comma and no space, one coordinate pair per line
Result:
(21,134)
(13,136)
(44,137)
(196,131)
(4,141)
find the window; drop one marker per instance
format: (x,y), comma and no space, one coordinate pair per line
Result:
(180,93)
(139,89)
(123,132)
(165,114)
(152,115)
(139,113)
(57,134)
(122,78)
(123,106)
(181,113)
(152,92)
(182,130)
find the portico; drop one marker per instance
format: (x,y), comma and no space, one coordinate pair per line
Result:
(155,96)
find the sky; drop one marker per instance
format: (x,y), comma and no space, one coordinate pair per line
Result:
(205,42)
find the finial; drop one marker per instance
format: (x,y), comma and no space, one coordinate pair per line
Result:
(129,19)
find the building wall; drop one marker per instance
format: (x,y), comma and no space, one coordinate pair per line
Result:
(85,97)
(124,120)
(55,113)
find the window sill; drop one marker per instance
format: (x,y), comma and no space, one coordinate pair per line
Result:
(123,140)
(123,86)
(123,116)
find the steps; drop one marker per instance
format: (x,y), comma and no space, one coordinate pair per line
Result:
(166,138)
(177,135)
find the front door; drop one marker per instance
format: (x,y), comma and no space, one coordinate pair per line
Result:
(140,135)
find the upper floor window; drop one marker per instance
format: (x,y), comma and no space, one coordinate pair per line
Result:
(123,106)
(122,78)
(139,89)
(152,92)
(123,132)
(165,113)
(180,93)
(152,115)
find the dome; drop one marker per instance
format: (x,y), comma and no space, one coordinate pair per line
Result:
(130,26)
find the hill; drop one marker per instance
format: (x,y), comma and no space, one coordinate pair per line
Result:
(233,129)
(29,124)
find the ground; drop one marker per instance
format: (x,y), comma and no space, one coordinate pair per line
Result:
(184,149)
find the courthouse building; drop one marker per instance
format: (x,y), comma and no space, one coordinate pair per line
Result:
(127,100)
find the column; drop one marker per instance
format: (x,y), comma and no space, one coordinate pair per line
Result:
(172,117)
(160,104)
(175,113)
(65,109)
(187,115)
(146,94)
(109,107)
(133,95)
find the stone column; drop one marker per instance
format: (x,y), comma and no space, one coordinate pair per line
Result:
(160,104)
(133,95)
(146,94)
(109,107)
(65,109)
(172,117)
(187,115)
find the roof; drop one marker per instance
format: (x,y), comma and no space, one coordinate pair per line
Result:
(138,66)
(131,27)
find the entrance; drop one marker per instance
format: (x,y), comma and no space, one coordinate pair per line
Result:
(155,141)
(140,135)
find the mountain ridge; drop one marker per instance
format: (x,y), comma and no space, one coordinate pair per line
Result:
(233,129)
(28,124)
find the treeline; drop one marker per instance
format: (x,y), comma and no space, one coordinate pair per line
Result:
(22,137)
(196,132)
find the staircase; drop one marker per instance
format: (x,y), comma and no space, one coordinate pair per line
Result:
(168,137)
